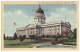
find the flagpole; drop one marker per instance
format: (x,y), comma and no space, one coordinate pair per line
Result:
(14,24)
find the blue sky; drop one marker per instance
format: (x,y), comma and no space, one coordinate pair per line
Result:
(23,15)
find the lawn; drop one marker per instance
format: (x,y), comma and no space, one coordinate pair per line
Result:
(17,44)
(28,43)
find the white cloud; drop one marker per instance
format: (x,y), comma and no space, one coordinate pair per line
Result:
(62,14)
(20,13)
(22,18)
(63,9)
(19,17)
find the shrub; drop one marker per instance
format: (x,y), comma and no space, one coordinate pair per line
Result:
(21,38)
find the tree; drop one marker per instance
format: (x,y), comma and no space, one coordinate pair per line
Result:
(72,35)
(75,33)
(21,38)
(15,36)
(4,37)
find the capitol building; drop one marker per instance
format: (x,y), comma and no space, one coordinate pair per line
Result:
(40,27)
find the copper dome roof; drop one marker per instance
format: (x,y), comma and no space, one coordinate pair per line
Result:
(39,10)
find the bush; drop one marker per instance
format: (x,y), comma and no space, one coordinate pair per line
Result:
(21,38)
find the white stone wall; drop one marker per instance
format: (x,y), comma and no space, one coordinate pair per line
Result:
(20,32)
(46,30)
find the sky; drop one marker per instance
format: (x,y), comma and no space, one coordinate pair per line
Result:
(23,15)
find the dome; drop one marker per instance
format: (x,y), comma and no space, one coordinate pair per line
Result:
(39,10)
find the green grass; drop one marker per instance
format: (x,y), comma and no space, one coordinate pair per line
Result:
(10,41)
(17,43)
(70,43)
(27,43)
